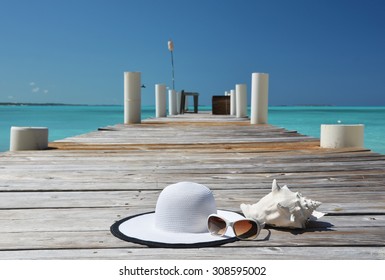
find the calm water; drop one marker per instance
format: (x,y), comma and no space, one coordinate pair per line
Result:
(65,121)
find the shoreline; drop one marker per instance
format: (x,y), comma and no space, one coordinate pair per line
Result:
(153,105)
(48,104)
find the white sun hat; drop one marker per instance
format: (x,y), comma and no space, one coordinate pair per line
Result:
(179,220)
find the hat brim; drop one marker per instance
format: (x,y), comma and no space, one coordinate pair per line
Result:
(141,229)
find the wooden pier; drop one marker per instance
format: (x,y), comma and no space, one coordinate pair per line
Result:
(60,203)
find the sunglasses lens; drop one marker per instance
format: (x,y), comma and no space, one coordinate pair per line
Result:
(216,225)
(246,229)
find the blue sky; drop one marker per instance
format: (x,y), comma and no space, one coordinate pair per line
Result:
(76,51)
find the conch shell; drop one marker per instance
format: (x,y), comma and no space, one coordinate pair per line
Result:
(283,208)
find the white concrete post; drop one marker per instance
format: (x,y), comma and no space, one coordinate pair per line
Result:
(28,138)
(233,103)
(342,135)
(241,100)
(172,102)
(132,97)
(178,101)
(259,98)
(160,101)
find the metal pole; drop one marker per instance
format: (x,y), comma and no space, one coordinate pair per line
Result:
(172,64)
(171,49)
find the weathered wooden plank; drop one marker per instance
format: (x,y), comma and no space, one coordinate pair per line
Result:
(224,253)
(88,228)
(95,219)
(163,161)
(182,134)
(155,181)
(353,237)
(334,201)
(213,182)
(132,157)
(203,167)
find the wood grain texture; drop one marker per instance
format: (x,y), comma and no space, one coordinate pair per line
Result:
(59,203)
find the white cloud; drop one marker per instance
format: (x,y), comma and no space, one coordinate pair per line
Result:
(36,89)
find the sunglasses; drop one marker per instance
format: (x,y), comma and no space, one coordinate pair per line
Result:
(245,229)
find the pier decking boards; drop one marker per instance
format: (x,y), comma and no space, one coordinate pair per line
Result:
(60,203)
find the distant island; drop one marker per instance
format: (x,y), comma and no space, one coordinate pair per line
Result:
(36,104)
(45,104)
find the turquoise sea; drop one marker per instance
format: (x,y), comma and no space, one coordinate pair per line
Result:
(64,121)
